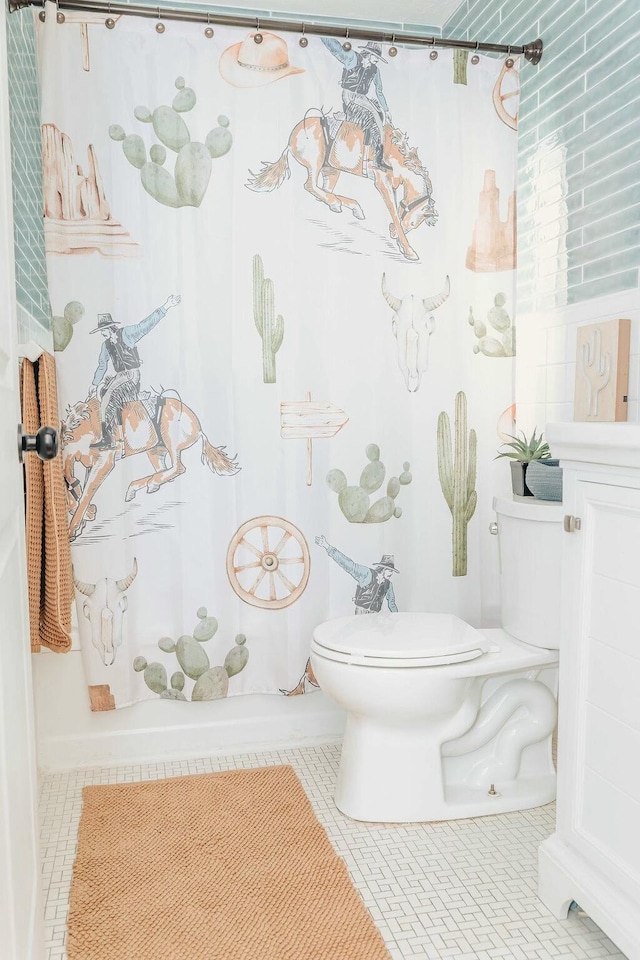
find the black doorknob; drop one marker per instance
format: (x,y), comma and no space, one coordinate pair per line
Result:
(44,443)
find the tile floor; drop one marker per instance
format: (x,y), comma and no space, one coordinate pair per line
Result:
(463,890)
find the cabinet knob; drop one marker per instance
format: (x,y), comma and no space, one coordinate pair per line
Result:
(571,524)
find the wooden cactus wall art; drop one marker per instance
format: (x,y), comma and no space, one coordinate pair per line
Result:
(270,327)
(457,473)
(602,371)
(355,501)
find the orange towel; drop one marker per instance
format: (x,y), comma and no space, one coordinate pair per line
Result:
(49,573)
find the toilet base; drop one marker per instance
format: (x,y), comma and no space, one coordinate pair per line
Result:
(460,802)
(388,775)
(427,743)
(431,770)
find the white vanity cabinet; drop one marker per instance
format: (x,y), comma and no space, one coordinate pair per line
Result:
(594,855)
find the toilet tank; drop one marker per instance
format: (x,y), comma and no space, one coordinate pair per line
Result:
(529,537)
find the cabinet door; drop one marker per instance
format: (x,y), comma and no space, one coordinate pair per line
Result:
(599,739)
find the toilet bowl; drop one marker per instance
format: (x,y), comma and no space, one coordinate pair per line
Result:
(445,720)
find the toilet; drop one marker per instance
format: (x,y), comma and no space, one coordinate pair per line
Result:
(445,720)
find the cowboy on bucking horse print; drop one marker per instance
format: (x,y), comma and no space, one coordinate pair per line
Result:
(366,110)
(362,141)
(117,420)
(119,349)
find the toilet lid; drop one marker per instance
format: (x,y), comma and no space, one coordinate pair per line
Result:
(399,639)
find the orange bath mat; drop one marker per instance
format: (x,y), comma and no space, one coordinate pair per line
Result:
(222,866)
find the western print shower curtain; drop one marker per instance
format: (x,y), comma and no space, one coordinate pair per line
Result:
(282,288)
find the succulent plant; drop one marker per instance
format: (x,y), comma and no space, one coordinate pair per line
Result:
(525,450)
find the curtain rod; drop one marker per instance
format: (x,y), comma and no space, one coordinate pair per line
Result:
(532,51)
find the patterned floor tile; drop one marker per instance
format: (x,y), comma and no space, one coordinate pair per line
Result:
(460,890)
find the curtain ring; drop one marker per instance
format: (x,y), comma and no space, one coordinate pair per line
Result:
(208,30)
(393,50)
(347,43)
(257,37)
(160,27)
(59,13)
(109,22)
(303,41)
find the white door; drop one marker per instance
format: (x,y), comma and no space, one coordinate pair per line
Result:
(20,913)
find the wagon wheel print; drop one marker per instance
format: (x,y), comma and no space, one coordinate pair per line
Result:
(268,563)
(507,86)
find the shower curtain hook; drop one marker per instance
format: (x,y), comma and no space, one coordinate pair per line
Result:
(303,41)
(109,22)
(59,13)
(393,50)
(160,27)
(347,43)
(257,37)
(208,31)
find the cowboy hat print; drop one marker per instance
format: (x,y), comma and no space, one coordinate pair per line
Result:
(251,64)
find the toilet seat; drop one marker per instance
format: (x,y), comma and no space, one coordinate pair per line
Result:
(399,640)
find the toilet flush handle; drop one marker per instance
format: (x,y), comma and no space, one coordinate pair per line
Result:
(493,529)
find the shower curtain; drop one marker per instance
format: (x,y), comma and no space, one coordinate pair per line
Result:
(282,286)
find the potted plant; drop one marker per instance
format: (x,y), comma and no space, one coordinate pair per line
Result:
(522,451)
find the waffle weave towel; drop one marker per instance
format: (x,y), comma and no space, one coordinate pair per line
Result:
(49,573)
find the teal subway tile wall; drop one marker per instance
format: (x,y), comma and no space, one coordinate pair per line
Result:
(34,314)
(579,143)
